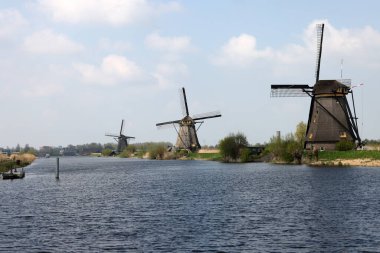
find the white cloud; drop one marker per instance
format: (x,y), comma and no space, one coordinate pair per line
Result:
(168,44)
(241,51)
(113,70)
(49,42)
(113,12)
(10,22)
(360,45)
(170,74)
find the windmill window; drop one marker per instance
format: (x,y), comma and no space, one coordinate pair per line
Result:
(310,136)
(342,135)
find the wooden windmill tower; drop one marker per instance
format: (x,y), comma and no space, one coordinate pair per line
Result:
(122,140)
(187,133)
(330,117)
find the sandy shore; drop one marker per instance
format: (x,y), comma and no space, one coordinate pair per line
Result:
(353,162)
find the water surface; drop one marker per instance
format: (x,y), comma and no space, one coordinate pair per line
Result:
(126,205)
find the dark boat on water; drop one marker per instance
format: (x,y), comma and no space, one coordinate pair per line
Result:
(13,175)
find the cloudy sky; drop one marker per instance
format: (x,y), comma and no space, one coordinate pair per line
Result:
(71,70)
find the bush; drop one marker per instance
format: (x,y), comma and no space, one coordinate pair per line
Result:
(245,155)
(157,152)
(287,149)
(106,152)
(344,145)
(125,154)
(231,147)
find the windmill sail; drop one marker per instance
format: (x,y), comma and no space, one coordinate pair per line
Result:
(207,115)
(122,140)
(290,90)
(320,29)
(330,118)
(187,133)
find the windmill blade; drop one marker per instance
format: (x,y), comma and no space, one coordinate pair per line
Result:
(168,122)
(129,137)
(320,28)
(160,127)
(207,115)
(183,99)
(290,90)
(112,135)
(122,127)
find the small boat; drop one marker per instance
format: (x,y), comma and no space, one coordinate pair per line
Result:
(13,175)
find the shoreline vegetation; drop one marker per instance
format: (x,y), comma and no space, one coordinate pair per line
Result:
(15,161)
(234,148)
(364,158)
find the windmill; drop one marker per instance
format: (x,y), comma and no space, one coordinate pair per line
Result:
(330,117)
(187,133)
(122,140)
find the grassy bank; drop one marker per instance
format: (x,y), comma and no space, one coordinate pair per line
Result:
(15,161)
(349,155)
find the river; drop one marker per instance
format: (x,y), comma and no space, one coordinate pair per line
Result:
(128,205)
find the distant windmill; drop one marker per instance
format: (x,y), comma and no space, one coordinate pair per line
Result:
(122,140)
(187,133)
(330,117)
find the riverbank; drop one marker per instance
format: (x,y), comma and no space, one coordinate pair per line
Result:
(348,162)
(15,161)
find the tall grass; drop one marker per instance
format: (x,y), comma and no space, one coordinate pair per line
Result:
(15,161)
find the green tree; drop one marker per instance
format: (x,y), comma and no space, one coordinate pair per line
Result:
(231,146)
(300,133)
(290,148)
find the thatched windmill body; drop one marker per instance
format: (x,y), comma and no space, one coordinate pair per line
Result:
(330,117)
(121,139)
(187,133)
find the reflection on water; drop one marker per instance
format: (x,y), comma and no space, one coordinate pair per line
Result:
(110,204)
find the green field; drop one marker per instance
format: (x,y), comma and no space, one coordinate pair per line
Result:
(349,155)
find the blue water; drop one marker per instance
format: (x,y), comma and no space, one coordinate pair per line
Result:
(124,205)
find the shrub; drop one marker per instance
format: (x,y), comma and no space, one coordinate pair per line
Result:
(344,145)
(245,155)
(125,154)
(106,152)
(232,146)
(157,152)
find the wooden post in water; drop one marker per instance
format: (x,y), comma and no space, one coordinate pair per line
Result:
(57,171)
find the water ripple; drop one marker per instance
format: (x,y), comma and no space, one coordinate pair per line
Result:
(126,205)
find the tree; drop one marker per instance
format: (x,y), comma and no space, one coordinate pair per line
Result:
(300,133)
(26,148)
(290,148)
(231,147)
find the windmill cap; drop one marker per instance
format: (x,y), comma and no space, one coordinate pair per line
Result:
(330,87)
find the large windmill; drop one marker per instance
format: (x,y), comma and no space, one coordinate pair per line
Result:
(122,140)
(330,117)
(187,132)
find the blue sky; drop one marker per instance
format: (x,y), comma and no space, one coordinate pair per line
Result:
(71,70)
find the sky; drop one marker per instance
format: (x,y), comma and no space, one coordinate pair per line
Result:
(70,71)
